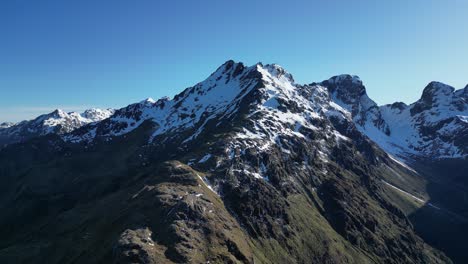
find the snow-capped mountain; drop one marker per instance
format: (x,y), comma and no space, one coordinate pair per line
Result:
(247,166)
(349,92)
(435,126)
(57,122)
(94,115)
(275,105)
(6,125)
(218,97)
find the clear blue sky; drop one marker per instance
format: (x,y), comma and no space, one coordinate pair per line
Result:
(78,54)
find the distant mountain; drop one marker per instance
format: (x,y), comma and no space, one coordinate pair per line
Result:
(436,126)
(245,167)
(57,122)
(6,125)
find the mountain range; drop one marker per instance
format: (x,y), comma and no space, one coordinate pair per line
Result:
(57,122)
(246,166)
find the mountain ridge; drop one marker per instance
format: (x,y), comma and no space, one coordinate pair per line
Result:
(56,122)
(364,109)
(349,92)
(244,167)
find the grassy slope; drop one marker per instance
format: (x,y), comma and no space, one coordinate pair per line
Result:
(78,205)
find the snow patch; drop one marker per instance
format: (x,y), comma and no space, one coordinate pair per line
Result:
(205,158)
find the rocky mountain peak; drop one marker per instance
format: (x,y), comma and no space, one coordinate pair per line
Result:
(398,105)
(440,98)
(219,94)
(96,114)
(346,83)
(347,88)
(463,93)
(148,100)
(435,91)
(345,78)
(58,113)
(279,72)
(349,92)
(229,67)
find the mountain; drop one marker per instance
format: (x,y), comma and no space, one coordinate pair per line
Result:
(430,136)
(57,122)
(6,125)
(245,167)
(435,126)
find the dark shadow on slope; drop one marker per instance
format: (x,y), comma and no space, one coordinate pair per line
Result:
(443,230)
(443,221)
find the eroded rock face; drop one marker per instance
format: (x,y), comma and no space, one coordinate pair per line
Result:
(135,246)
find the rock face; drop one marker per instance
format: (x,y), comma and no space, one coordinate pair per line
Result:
(57,122)
(349,92)
(244,167)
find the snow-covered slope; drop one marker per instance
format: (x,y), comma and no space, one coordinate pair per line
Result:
(435,126)
(95,115)
(58,122)
(286,112)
